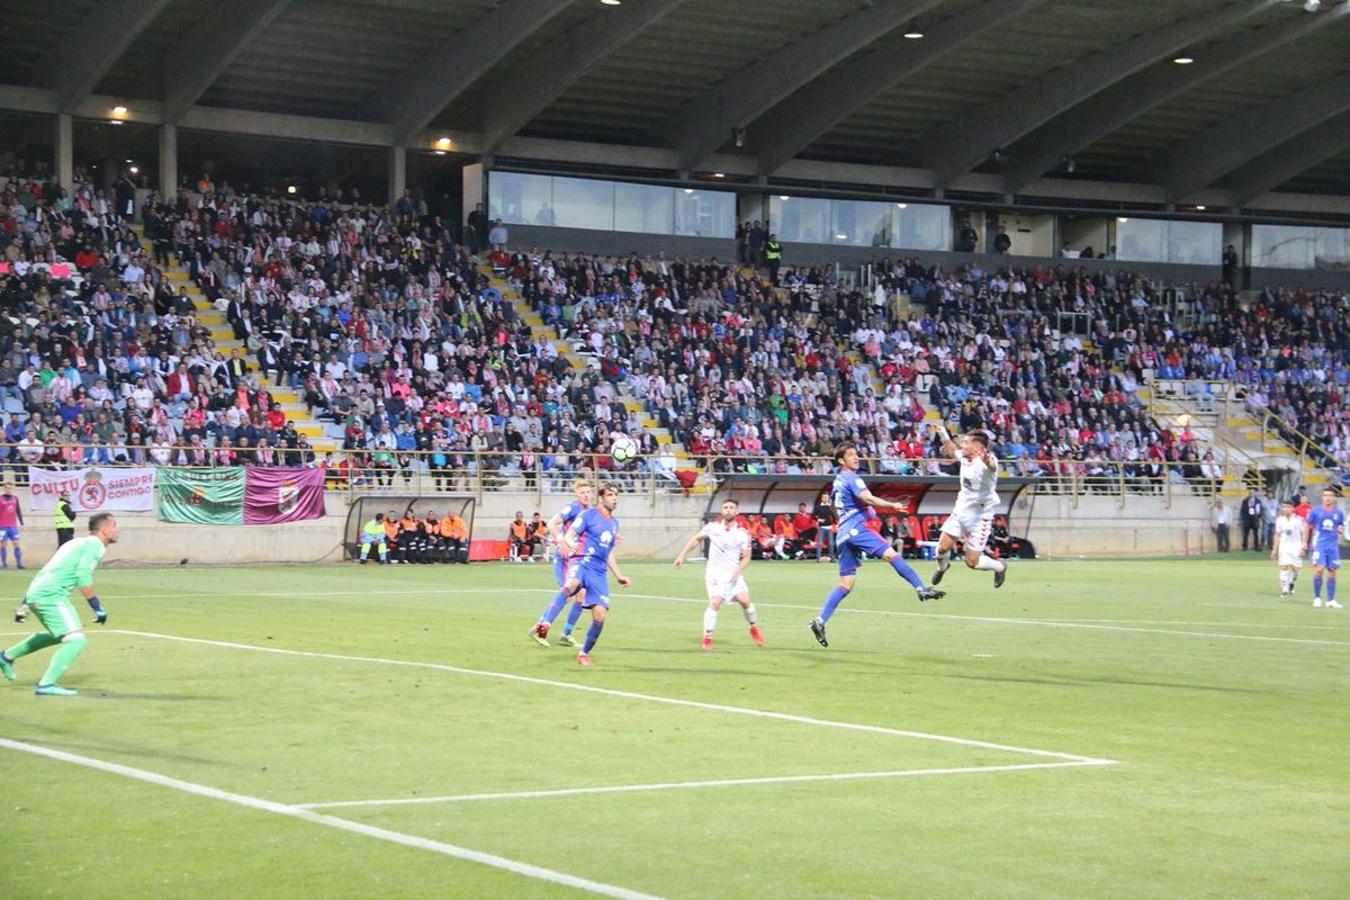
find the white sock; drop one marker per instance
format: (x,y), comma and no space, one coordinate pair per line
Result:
(944,560)
(709,620)
(1285,580)
(750,615)
(990,564)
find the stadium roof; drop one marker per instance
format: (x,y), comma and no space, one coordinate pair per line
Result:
(1079,91)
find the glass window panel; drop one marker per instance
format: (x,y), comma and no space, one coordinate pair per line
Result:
(1141,240)
(801,220)
(1333,248)
(579,203)
(710,214)
(1283,246)
(1195,243)
(643,208)
(516,198)
(923,226)
(859,223)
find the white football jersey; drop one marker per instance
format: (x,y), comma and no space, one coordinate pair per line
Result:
(725,546)
(979,487)
(1290,529)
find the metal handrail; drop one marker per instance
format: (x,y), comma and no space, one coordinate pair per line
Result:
(375,471)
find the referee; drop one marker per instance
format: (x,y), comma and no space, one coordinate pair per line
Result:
(63,516)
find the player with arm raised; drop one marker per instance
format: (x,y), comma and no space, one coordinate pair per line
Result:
(972,518)
(854,504)
(728,555)
(1326,525)
(1289,546)
(49,598)
(557,526)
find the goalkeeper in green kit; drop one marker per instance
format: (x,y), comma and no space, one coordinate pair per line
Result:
(48,598)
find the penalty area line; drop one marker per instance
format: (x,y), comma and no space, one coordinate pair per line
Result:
(685,785)
(627,695)
(315,818)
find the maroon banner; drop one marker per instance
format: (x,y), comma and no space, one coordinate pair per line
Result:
(275,494)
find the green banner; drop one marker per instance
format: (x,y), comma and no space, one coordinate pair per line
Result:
(201,496)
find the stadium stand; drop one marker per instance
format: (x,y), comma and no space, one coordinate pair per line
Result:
(202,339)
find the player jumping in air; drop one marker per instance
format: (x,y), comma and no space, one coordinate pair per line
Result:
(49,598)
(557,526)
(972,518)
(854,504)
(728,555)
(1326,525)
(590,543)
(1289,547)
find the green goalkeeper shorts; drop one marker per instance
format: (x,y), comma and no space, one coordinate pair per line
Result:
(56,615)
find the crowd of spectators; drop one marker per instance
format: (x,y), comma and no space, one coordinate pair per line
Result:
(749,377)
(393,337)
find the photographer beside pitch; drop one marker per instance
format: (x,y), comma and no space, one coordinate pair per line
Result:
(49,599)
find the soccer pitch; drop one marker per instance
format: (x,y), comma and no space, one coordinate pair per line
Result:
(1112,729)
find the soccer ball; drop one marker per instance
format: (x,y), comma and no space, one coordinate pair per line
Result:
(623,450)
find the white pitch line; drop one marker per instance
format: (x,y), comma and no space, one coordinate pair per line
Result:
(627,695)
(1009,620)
(306,815)
(1099,624)
(685,785)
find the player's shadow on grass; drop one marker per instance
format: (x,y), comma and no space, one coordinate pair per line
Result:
(105,694)
(1099,682)
(51,737)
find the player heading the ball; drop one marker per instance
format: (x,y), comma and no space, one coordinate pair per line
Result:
(972,518)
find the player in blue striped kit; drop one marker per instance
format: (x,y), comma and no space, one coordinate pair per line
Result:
(854,504)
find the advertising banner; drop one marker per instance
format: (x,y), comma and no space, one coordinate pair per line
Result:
(93,489)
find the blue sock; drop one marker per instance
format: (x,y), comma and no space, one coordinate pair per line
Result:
(4,556)
(832,603)
(904,570)
(593,635)
(18,557)
(573,615)
(554,607)
(1317,587)
(1331,588)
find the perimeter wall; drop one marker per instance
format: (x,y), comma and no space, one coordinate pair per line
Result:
(654,527)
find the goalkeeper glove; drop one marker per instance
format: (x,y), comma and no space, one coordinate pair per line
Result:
(21,613)
(100,614)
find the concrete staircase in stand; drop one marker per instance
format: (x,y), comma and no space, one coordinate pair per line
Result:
(579,361)
(222,335)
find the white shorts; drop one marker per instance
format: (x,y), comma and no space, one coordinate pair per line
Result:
(1291,559)
(972,530)
(719,584)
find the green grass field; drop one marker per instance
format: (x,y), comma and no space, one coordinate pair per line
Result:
(983,769)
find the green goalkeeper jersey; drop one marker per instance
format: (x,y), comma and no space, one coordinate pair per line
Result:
(72,566)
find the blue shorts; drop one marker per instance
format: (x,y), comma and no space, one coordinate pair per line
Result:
(595,582)
(855,543)
(559,569)
(1327,557)
(9,533)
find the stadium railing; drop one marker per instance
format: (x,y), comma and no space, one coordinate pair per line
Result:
(1275,430)
(359,473)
